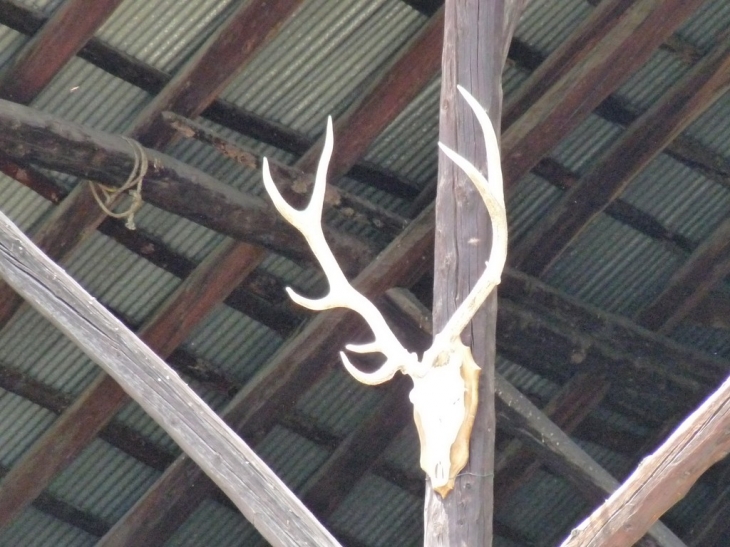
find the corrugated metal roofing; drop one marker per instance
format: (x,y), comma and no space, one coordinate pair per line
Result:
(287,82)
(214,525)
(103,481)
(36,529)
(338,403)
(21,423)
(613,267)
(706,23)
(378,513)
(546,23)
(685,202)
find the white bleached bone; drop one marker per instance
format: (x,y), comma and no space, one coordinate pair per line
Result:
(445,381)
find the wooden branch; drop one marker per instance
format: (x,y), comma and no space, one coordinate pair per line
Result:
(559,452)
(662,478)
(567,409)
(72,24)
(29,136)
(627,46)
(636,148)
(294,184)
(217,62)
(705,269)
(95,407)
(257,492)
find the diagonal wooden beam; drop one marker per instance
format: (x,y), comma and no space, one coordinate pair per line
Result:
(254,488)
(568,54)
(61,37)
(515,465)
(638,146)
(708,266)
(627,45)
(560,453)
(79,424)
(223,56)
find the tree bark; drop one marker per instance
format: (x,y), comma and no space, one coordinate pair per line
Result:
(476,39)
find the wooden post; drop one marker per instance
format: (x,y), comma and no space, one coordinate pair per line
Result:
(476,38)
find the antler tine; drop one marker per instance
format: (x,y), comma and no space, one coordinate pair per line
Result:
(341,294)
(493,196)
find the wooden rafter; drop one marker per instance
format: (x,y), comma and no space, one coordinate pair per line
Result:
(69,28)
(708,266)
(213,67)
(637,147)
(29,21)
(628,44)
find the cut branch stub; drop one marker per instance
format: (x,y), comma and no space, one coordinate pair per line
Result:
(445,381)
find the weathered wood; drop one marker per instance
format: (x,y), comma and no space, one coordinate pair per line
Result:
(559,452)
(627,46)
(396,86)
(216,63)
(618,209)
(705,269)
(463,240)
(713,311)
(515,466)
(662,478)
(636,148)
(568,54)
(29,136)
(257,492)
(205,288)
(558,330)
(62,36)
(293,183)
(29,21)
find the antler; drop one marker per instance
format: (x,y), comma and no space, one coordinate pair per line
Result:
(493,195)
(341,293)
(445,381)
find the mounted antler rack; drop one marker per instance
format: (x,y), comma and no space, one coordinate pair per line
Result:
(445,380)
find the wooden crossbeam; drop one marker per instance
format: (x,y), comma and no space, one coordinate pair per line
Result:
(69,28)
(277,513)
(637,147)
(49,141)
(627,45)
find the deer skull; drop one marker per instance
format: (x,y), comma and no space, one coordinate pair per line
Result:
(445,381)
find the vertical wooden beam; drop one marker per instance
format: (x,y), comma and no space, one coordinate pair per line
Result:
(476,40)
(60,38)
